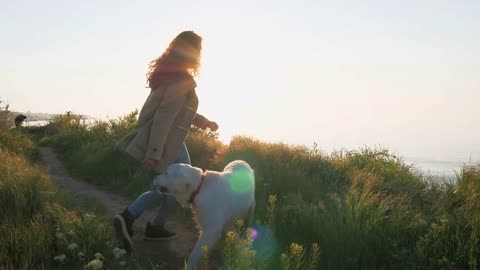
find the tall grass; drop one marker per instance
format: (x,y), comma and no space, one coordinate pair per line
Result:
(362,209)
(42,226)
(88,150)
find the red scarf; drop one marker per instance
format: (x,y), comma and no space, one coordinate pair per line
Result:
(167,75)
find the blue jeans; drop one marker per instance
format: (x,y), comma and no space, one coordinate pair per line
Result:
(154,197)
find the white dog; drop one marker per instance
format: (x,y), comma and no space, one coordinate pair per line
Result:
(217,198)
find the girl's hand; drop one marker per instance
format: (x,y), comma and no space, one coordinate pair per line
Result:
(149,163)
(212,125)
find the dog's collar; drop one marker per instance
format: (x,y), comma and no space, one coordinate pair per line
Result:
(195,193)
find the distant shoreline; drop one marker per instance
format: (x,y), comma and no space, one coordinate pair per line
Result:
(31,117)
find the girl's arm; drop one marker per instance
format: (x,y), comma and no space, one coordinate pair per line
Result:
(202,122)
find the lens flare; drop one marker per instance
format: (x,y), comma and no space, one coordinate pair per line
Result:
(254,234)
(264,242)
(241,181)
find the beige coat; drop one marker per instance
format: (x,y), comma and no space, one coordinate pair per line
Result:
(163,124)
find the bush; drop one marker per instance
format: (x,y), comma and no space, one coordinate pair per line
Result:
(13,139)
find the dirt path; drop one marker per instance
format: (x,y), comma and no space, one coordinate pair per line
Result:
(170,253)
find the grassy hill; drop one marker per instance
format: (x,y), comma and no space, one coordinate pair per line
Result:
(360,209)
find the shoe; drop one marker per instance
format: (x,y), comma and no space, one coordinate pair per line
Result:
(158,232)
(123,228)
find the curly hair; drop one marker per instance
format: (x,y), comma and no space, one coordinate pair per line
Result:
(181,57)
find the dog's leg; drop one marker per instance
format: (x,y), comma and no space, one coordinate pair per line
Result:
(208,239)
(251,214)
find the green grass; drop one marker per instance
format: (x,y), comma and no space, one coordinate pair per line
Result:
(362,209)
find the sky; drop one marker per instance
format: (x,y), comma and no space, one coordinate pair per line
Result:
(342,74)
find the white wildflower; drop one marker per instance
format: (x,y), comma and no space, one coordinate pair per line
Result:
(60,258)
(80,254)
(72,246)
(118,252)
(122,263)
(99,256)
(95,265)
(87,215)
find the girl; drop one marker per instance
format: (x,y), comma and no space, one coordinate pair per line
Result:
(162,126)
